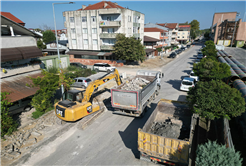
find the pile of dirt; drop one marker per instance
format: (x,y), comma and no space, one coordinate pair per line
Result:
(135,84)
(170,128)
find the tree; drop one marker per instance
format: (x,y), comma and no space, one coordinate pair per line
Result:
(48,36)
(192,34)
(208,69)
(195,25)
(215,99)
(128,48)
(40,44)
(214,154)
(8,125)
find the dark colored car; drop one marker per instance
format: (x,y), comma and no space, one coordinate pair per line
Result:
(172,55)
(178,51)
(188,46)
(182,48)
(78,65)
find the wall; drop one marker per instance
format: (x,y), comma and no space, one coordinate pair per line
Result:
(17,41)
(241,32)
(93,61)
(153,34)
(223,16)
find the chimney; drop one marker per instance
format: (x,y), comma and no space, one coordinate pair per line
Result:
(116,3)
(83,7)
(105,5)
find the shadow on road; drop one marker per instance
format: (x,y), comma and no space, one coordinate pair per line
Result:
(182,98)
(130,135)
(186,71)
(174,83)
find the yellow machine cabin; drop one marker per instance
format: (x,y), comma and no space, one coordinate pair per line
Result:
(77,104)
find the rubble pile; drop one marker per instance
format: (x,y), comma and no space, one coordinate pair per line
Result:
(135,84)
(170,128)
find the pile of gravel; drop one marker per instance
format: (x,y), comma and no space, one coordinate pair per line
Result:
(170,128)
(135,84)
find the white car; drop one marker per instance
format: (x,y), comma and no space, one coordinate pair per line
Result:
(192,75)
(187,83)
(103,67)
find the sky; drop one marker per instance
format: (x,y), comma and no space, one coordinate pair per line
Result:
(37,14)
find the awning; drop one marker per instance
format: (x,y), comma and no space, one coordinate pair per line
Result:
(16,86)
(53,50)
(18,53)
(89,53)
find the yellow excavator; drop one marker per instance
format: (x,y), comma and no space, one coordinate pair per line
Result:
(77,104)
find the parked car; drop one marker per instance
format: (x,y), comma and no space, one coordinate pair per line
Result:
(187,83)
(172,55)
(178,51)
(78,65)
(182,48)
(192,75)
(188,46)
(81,82)
(103,67)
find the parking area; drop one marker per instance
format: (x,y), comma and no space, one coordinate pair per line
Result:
(238,53)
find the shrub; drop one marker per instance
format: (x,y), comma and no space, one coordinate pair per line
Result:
(8,125)
(72,68)
(214,154)
(53,70)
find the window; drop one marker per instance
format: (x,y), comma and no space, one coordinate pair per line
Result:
(94,41)
(110,30)
(85,41)
(94,30)
(134,29)
(179,33)
(93,18)
(71,19)
(183,37)
(73,30)
(74,41)
(183,33)
(84,19)
(178,37)
(108,18)
(85,30)
(129,18)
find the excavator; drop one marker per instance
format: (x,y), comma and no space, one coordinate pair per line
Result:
(77,104)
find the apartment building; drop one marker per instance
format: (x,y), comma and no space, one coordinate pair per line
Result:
(94,28)
(173,32)
(224,25)
(183,33)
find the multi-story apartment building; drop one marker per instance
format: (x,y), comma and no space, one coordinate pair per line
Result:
(94,28)
(173,31)
(183,33)
(158,32)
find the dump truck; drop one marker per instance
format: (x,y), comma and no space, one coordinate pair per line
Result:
(132,97)
(78,103)
(167,135)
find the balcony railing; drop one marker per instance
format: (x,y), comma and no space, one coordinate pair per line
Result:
(19,70)
(106,47)
(110,23)
(108,35)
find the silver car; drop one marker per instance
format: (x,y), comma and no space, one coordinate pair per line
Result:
(81,82)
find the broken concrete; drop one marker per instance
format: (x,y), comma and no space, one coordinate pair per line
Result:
(135,84)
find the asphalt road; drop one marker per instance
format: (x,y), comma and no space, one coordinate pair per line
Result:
(112,139)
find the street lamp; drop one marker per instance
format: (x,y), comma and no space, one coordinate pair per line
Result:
(58,53)
(238,14)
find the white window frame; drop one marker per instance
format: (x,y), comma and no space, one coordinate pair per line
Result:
(71,19)
(94,30)
(85,31)
(93,18)
(84,19)
(95,42)
(74,42)
(73,30)
(129,18)
(85,41)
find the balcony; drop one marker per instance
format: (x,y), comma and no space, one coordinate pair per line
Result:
(106,47)
(136,24)
(108,35)
(20,70)
(110,23)
(110,11)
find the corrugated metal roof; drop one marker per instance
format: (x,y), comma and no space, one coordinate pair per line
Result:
(16,86)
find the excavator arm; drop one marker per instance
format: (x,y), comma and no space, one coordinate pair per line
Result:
(95,84)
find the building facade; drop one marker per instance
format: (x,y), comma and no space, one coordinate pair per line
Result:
(183,34)
(173,29)
(94,28)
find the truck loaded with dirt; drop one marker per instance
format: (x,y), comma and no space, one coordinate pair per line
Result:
(168,133)
(132,97)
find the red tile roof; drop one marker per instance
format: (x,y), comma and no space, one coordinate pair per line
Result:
(12,17)
(184,26)
(169,25)
(154,30)
(100,5)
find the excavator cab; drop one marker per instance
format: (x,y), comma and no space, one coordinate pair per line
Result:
(73,95)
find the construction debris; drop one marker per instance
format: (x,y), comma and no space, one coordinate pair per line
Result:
(169,128)
(135,84)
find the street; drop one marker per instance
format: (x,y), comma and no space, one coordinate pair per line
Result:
(112,139)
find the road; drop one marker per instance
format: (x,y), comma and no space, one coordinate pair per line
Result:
(112,139)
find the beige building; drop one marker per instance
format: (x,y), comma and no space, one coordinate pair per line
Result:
(183,34)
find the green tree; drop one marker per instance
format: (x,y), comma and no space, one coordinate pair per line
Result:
(40,44)
(128,48)
(209,69)
(48,36)
(192,34)
(215,99)
(211,153)
(8,125)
